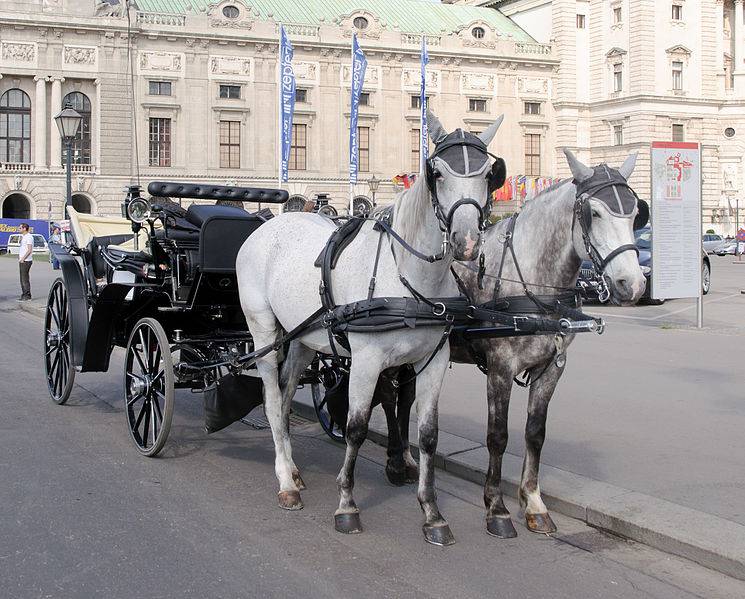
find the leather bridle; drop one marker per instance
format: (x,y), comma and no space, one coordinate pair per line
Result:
(445,220)
(583,215)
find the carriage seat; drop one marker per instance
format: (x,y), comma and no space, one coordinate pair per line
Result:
(197,214)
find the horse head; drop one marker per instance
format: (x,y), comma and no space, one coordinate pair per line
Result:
(606,212)
(461,180)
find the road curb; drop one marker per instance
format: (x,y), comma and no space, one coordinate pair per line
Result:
(706,539)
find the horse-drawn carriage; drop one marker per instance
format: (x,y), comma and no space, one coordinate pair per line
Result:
(207,299)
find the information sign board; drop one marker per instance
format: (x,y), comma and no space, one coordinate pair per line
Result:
(676,220)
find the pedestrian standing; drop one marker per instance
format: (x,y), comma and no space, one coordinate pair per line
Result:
(25,260)
(55,237)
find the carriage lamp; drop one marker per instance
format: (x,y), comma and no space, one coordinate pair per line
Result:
(373,183)
(138,210)
(68,122)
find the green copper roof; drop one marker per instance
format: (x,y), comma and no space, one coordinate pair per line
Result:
(408,16)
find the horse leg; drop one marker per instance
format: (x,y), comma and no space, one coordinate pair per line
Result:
(436,529)
(406,399)
(264,330)
(363,377)
(537,518)
(499,388)
(385,395)
(297,360)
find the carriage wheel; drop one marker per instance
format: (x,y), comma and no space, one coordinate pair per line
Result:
(148,386)
(327,379)
(57,351)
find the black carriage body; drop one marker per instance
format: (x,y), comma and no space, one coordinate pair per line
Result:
(188,284)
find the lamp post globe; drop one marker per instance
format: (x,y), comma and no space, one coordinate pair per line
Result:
(373,183)
(68,122)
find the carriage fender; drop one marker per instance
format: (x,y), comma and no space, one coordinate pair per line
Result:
(72,275)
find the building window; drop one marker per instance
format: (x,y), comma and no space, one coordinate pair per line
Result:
(581,21)
(532,108)
(298,148)
(230,144)
(159,88)
(617,77)
(678,132)
(81,145)
(677,75)
(363,138)
(15,126)
(617,135)
(160,142)
(231,92)
(301,95)
(360,22)
(617,16)
(364,98)
(532,154)
(231,12)
(677,12)
(416,101)
(416,145)
(478,33)
(475,105)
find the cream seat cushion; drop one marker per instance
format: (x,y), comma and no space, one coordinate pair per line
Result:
(85,227)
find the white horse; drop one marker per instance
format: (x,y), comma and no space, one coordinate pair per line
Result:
(279,289)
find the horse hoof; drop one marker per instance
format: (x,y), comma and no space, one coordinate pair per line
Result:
(290,500)
(438,534)
(299,482)
(396,477)
(541,523)
(412,474)
(349,524)
(501,527)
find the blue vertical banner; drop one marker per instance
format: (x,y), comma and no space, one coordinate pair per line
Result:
(359,65)
(424,154)
(287,99)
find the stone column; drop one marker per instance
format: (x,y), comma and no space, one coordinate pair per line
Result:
(719,46)
(55,161)
(738,31)
(40,122)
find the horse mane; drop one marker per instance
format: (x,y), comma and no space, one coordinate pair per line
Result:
(409,206)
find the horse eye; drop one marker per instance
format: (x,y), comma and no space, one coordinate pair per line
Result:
(595,214)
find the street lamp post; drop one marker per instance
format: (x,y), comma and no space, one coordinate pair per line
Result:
(373,182)
(68,122)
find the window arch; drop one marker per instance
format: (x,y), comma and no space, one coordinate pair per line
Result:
(81,145)
(15,126)
(82,203)
(16,205)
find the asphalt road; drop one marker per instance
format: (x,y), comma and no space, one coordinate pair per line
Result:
(82,515)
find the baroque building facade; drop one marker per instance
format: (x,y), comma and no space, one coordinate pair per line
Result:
(636,71)
(187,91)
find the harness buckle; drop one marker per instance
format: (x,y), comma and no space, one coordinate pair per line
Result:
(517,320)
(439,309)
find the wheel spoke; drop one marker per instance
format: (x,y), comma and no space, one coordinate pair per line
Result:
(133,399)
(146,427)
(154,424)
(145,350)
(158,412)
(139,359)
(139,416)
(158,377)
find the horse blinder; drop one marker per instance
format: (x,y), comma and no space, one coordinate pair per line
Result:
(642,214)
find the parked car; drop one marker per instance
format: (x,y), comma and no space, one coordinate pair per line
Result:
(588,287)
(14,244)
(712,242)
(729,247)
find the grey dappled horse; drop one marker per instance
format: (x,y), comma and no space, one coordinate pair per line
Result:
(549,247)
(279,285)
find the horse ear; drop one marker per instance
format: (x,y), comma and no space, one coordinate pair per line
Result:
(434,128)
(579,170)
(488,135)
(628,166)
